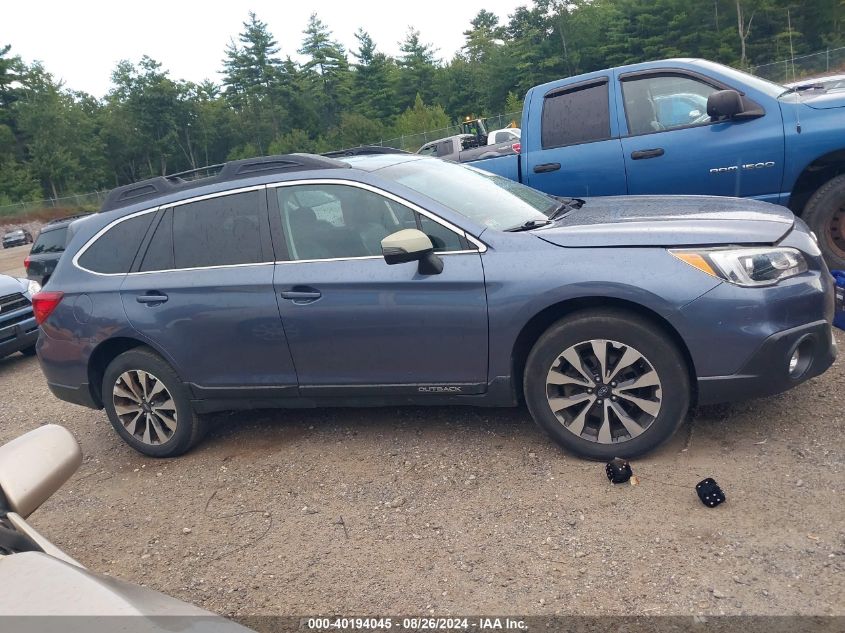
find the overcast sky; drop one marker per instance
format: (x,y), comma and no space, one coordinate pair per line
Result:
(81,41)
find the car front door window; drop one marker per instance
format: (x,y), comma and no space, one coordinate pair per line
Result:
(333,221)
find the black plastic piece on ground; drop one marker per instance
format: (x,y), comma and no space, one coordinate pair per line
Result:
(709,492)
(618,470)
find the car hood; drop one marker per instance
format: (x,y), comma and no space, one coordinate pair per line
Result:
(11,285)
(669,221)
(35,584)
(824,100)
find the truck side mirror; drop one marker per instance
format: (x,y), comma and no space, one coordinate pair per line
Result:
(724,104)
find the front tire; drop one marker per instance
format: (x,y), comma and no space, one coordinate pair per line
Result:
(606,383)
(28,351)
(149,406)
(825,215)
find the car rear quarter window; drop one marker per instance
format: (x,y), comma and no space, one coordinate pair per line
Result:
(221,231)
(52,241)
(114,251)
(578,114)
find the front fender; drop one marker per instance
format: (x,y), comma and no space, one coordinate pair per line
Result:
(648,279)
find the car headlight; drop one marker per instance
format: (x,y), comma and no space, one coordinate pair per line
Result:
(762,266)
(33,287)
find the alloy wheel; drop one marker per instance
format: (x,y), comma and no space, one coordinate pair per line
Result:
(604,391)
(144,407)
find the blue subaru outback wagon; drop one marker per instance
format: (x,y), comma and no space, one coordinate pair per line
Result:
(303,281)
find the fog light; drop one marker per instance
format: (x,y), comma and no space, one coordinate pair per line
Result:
(793,362)
(802,358)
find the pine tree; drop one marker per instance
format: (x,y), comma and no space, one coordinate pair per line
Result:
(327,69)
(372,87)
(418,66)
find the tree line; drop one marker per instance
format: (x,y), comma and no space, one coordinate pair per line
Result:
(55,140)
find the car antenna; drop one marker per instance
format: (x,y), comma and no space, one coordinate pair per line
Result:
(792,64)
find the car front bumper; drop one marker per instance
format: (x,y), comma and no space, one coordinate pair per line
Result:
(767,371)
(17,336)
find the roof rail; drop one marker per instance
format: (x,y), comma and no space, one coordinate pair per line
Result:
(67,218)
(233,170)
(364,150)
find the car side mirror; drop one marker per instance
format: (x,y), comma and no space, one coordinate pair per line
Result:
(411,245)
(35,465)
(724,104)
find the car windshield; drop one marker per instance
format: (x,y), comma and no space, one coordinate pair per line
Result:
(50,241)
(485,198)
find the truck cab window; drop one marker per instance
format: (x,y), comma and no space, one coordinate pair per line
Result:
(576,115)
(664,102)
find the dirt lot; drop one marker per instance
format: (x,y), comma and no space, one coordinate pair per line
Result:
(457,511)
(11,260)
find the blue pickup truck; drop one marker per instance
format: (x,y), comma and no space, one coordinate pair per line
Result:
(688,126)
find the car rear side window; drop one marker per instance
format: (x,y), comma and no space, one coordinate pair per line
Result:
(114,251)
(159,255)
(579,114)
(220,231)
(52,241)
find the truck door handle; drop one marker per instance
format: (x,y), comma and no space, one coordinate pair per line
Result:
(304,295)
(546,167)
(640,154)
(151,297)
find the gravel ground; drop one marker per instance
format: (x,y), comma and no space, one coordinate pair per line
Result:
(11,259)
(457,510)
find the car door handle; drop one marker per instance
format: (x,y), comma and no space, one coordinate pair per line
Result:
(151,298)
(546,167)
(640,154)
(301,296)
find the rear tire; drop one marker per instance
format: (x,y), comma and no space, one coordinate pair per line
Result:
(622,405)
(825,215)
(149,406)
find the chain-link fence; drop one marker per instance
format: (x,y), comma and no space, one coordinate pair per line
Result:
(412,142)
(44,209)
(787,70)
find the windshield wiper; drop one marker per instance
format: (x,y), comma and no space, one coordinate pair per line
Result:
(566,205)
(527,226)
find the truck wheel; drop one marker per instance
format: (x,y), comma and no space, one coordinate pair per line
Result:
(149,406)
(606,383)
(825,215)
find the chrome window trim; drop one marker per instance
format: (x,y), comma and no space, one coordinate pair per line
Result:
(482,247)
(99,234)
(179,203)
(361,257)
(196,268)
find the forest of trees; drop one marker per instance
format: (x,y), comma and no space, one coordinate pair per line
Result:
(55,141)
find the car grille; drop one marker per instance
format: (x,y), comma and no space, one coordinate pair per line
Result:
(13,302)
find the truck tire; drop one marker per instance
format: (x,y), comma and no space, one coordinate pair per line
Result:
(149,406)
(825,215)
(606,383)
